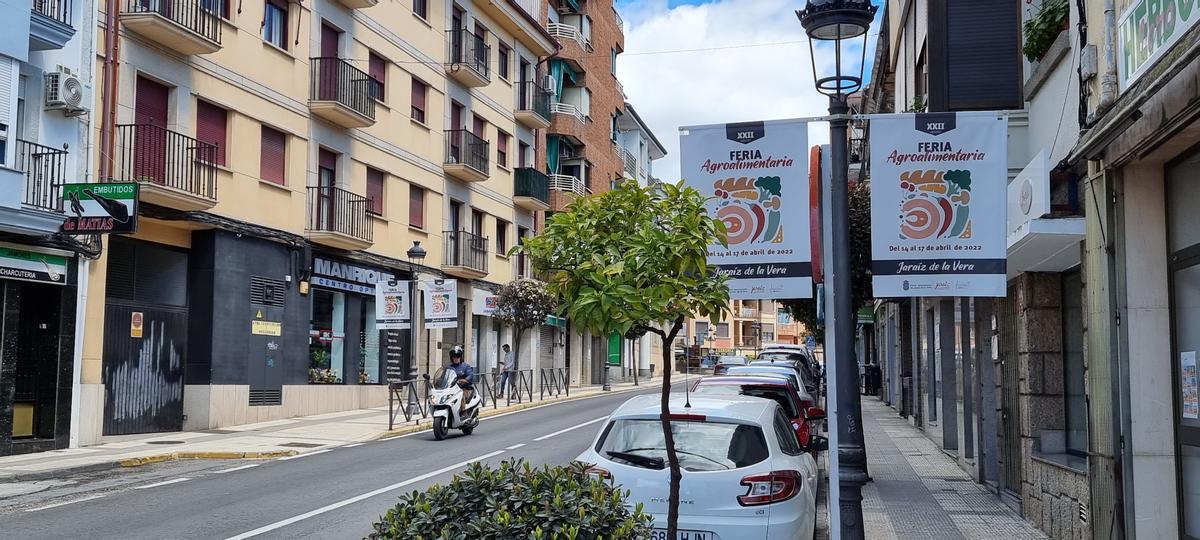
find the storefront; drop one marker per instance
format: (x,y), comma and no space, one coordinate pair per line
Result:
(1183,238)
(345,344)
(486,331)
(37,342)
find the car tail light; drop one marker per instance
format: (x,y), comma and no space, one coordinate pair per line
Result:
(773,487)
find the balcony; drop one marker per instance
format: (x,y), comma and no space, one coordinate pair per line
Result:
(533,105)
(568,33)
(358,4)
(531,189)
(467,61)
(184,26)
(629,162)
(567,120)
(50,25)
(338,218)
(568,184)
(341,93)
(45,172)
(466,156)
(466,255)
(176,171)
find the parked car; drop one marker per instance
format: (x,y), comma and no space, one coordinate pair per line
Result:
(743,473)
(796,404)
(792,354)
(793,373)
(724,362)
(808,374)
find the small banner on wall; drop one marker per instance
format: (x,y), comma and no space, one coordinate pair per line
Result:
(939,185)
(483,302)
(756,174)
(392,305)
(100,208)
(440,300)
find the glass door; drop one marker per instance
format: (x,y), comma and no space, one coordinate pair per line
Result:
(1183,195)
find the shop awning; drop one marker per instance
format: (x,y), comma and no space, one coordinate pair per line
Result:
(1048,245)
(553,320)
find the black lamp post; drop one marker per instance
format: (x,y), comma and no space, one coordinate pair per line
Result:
(838,22)
(416,254)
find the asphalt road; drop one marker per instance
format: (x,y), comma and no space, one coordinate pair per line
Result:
(331,493)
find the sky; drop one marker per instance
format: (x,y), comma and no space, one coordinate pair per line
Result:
(765,73)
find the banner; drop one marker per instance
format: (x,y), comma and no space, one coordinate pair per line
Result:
(441,299)
(939,184)
(756,174)
(100,208)
(393,305)
(1147,30)
(483,302)
(32,264)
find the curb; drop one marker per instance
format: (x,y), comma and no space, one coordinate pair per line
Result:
(419,426)
(140,461)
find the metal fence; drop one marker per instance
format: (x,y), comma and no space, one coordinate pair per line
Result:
(467,148)
(555,382)
(153,154)
(190,14)
(45,170)
(530,182)
(534,97)
(59,10)
(411,398)
(334,79)
(333,209)
(469,49)
(466,250)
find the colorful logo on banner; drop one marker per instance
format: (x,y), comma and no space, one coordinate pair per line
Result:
(440,302)
(936,204)
(750,209)
(392,303)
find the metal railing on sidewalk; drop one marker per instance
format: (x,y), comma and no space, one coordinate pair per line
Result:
(554,383)
(410,397)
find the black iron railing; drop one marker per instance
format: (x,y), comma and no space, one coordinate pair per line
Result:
(45,172)
(334,79)
(333,209)
(534,98)
(530,182)
(466,250)
(190,14)
(467,148)
(470,50)
(59,10)
(152,154)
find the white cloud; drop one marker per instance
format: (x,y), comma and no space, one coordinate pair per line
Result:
(729,85)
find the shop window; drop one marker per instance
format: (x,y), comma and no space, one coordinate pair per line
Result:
(368,344)
(1075,398)
(327,337)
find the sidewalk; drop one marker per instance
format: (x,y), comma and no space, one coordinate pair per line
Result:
(919,492)
(279,438)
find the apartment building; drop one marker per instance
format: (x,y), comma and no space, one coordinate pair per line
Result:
(290,157)
(45,74)
(747,327)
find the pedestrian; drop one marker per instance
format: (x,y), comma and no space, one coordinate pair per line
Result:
(506,363)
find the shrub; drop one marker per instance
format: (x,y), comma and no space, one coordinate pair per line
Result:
(516,501)
(1043,28)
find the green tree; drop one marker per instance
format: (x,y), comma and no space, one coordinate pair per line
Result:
(634,260)
(523,303)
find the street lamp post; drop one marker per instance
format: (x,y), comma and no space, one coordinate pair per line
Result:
(838,21)
(416,254)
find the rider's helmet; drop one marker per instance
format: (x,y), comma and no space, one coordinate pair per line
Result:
(456,353)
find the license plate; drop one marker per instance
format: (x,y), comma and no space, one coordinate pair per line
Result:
(661,534)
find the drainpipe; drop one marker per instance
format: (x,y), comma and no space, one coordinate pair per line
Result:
(1108,82)
(108,109)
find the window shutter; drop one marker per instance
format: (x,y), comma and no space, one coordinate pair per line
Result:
(274,156)
(375,179)
(982,56)
(416,206)
(210,127)
(377,68)
(327,159)
(418,100)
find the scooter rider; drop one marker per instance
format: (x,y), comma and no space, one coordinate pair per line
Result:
(466,375)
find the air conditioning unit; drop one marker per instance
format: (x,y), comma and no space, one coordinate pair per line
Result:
(548,83)
(64,92)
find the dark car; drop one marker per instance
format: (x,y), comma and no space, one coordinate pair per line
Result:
(724,362)
(799,410)
(803,362)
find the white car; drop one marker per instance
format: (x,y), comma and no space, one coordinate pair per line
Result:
(744,474)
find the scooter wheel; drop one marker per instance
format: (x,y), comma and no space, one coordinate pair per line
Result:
(439,428)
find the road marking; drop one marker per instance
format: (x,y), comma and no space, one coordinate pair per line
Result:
(515,446)
(572,428)
(56,505)
(353,445)
(242,468)
(166,483)
(364,496)
(306,454)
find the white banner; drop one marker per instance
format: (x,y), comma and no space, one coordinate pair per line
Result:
(393,305)
(757,176)
(483,302)
(441,300)
(939,183)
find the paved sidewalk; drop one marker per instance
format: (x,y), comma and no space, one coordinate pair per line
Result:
(279,438)
(920,492)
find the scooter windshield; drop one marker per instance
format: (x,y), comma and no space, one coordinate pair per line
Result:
(444,378)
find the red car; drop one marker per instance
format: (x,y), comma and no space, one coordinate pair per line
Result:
(775,388)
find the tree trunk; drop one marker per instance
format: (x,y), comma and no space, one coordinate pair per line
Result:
(668,437)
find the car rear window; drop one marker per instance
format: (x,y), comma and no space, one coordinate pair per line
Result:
(788,373)
(701,445)
(777,394)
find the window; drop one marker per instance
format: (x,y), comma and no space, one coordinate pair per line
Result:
(1073,366)
(327,333)
(702,329)
(786,435)
(421,8)
(613,128)
(377,68)
(275,23)
(272,165)
(210,128)
(501,238)
(375,179)
(419,89)
(522,269)
(416,206)
(702,446)
(502,148)
(723,330)
(219,8)
(505,53)
(522,154)
(613,60)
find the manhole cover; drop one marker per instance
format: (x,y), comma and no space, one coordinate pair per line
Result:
(302,445)
(164,442)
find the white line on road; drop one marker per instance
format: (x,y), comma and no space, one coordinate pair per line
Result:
(515,446)
(306,454)
(572,428)
(353,445)
(242,468)
(166,483)
(56,505)
(364,496)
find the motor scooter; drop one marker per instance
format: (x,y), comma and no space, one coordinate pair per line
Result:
(448,410)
